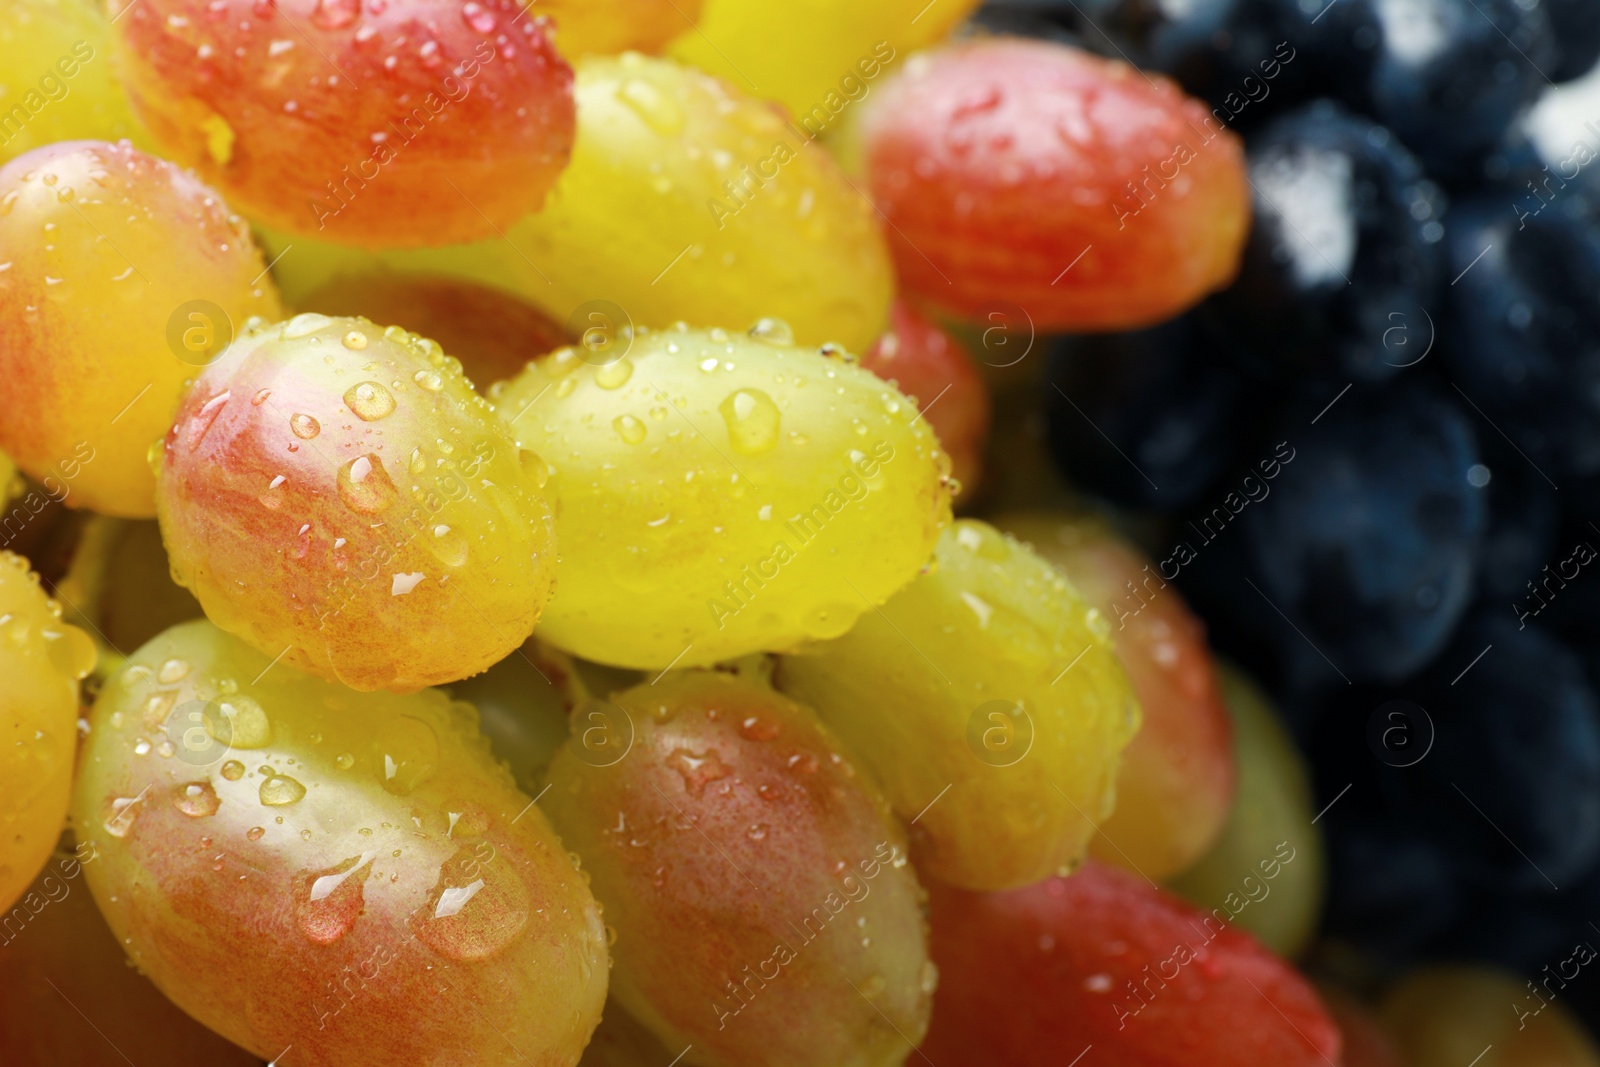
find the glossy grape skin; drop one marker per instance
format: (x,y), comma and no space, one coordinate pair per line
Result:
(219,865)
(804,55)
(335,492)
(646,217)
(1177,779)
(104,248)
(57,959)
(412,123)
(1273,805)
(491,332)
(612,26)
(937,371)
(1031,976)
(1443,1016)
(730,818)
(41,41)
(924,690)
(1000,162)
(41,660)
(682,470)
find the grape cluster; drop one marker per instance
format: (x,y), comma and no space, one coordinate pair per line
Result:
(637,532)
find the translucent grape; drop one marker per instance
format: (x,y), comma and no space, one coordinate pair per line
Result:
(1176,784)
(757,883)
(987,699)
(815,58)
(687,199)
(335,493)
(293,863)
(120,275)
(720,495)
(381,125)
(41,660)
(56,79)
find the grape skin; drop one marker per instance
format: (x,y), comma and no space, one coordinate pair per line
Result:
(915,689)
(125,274)
(295,863)
(720,495)
(337,494)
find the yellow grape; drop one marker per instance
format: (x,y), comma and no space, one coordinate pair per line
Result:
(816,58)
(41,660)
(1446,1016)
(352,874)
(56,82)
(611,26)
(124,275)
(687,199)
(723,494)
(988,699)
(1270,819)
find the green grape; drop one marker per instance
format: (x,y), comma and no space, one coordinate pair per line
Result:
(720,495)
(988,699)
(56,80)
(764,910)
(351,874)
(1270,820)
(686,199)
(1445,1016)
(337,494)
(122,276)
(41,660)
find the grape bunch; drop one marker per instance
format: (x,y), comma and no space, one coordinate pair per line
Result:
(630,533)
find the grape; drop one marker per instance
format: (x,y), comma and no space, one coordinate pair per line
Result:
(585,26)
(398,124)
(688,200)
(1104,959)
(990,679)
(57,959)
(122,274)
(758,885)
(293,863)
(492,333)
(1445,1016)
(721,495)
(815,58)
(1273,806)
(1029,176)
(1177,778)
(41,660)
(936,371)
(55,78)
(335,493)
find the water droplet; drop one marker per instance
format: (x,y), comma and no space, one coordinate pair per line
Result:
(369,400)
(279,789)
(478,906)
(407,752)
(365,486)
(240,722)
(773,332)
(304,426)
(335,14)
(233,770)
(119,815)
(614,375)
(255,833)
(629,429)
(428,380)
(758,729)
(203,419)
(698,769)
(752,418)
(344,761)
(196,799)
(355,340)
(448,545)
(303,326)
(478,17)
(757,832)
